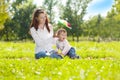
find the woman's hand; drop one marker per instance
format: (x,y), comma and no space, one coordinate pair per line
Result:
(55,35)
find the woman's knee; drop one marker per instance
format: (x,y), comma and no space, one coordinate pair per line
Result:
(41,54)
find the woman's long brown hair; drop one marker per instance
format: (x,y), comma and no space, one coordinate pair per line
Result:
(35,23)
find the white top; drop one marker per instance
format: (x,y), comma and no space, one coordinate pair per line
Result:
(43,39)
(64,46)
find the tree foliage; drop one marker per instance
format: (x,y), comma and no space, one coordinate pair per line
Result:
(4,4)
(49,6)
(15,19)
(73,12)
(17,27)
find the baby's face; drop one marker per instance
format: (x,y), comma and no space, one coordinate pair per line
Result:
(62,36)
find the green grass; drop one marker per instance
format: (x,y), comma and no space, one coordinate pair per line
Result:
(99,61)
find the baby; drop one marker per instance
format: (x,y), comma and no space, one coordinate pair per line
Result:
(63,45)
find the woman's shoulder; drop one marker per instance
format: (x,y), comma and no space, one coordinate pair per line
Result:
(32,29)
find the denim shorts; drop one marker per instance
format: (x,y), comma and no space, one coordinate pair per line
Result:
(43,54)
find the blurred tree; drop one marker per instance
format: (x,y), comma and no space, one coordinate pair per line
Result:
(49,6)
(17,27)
(23,18)
(4,4)
(94,27)
(105,28)
(113,19)
(73,12)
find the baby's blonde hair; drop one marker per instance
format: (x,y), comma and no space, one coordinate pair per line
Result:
(60,31)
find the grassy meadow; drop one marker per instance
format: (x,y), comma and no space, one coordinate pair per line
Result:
(99,61)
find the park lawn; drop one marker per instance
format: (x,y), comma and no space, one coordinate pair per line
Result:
(99,61)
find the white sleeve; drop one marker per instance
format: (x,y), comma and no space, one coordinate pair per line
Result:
(52,39)
(51,29)
(35,37)
(56,44)
(66,47)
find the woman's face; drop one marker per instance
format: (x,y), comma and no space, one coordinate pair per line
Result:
(41,18)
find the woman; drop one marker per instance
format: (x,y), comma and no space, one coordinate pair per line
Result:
(42,33)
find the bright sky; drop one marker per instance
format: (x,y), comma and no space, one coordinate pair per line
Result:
(94,8)
(99,7)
